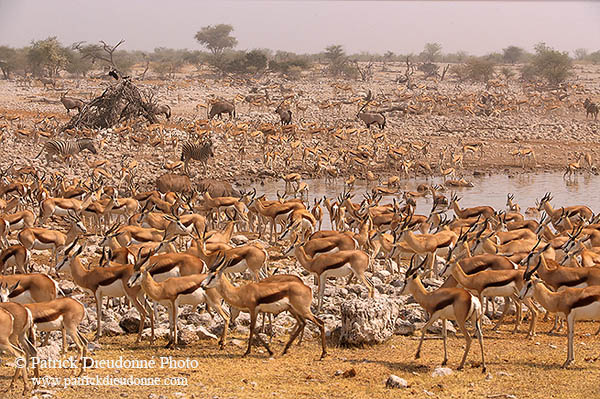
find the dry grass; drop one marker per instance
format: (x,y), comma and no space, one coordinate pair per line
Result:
(532,367)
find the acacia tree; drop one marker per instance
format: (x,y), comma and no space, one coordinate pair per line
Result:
(548,64)
(216,38)
(102,52)
(580,54)
(11,60)
(77,64)
(47,57)
(512,54)
(338,61)
(431,52)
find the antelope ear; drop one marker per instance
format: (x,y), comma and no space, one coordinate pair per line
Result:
(14,287)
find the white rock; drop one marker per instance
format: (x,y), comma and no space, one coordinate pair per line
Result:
(394,381)
(203,333)
(441,372)
(111,328)
(368,321)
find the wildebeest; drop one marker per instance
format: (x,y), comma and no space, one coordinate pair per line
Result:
(217,188)
(590,109)
(163,109)
(284,114)
(221,107)
(71,102)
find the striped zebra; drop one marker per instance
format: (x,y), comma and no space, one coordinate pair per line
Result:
(63,148)
(197,151)
(590,109)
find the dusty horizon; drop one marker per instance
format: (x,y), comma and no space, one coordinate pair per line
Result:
(477,27)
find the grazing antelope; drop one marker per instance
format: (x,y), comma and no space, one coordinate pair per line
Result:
(30,288)
(302,221)
(319,244)
(226,204)
(370,118)
(582,257)
(71,102)
(428,244)
(127,235)
(446,304)
(176,291)
(108,281)
(224,236)
(284,114)
(19,220)
(559,277)
(317,212)
(336,264)
(484,244)
(269,297)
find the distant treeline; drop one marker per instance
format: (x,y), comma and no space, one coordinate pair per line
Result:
(50,58)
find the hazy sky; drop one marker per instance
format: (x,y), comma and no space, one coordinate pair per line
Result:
(308,26)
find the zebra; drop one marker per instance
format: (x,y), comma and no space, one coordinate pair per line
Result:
(590,109)
(196,151)
(63,148)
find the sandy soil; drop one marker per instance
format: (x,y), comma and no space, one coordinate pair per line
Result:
(516,366)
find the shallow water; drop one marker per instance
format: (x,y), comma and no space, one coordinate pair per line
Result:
(487,190)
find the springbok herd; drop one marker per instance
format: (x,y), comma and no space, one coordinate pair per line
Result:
(175,249)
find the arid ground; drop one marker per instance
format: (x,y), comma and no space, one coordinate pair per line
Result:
(253,148)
